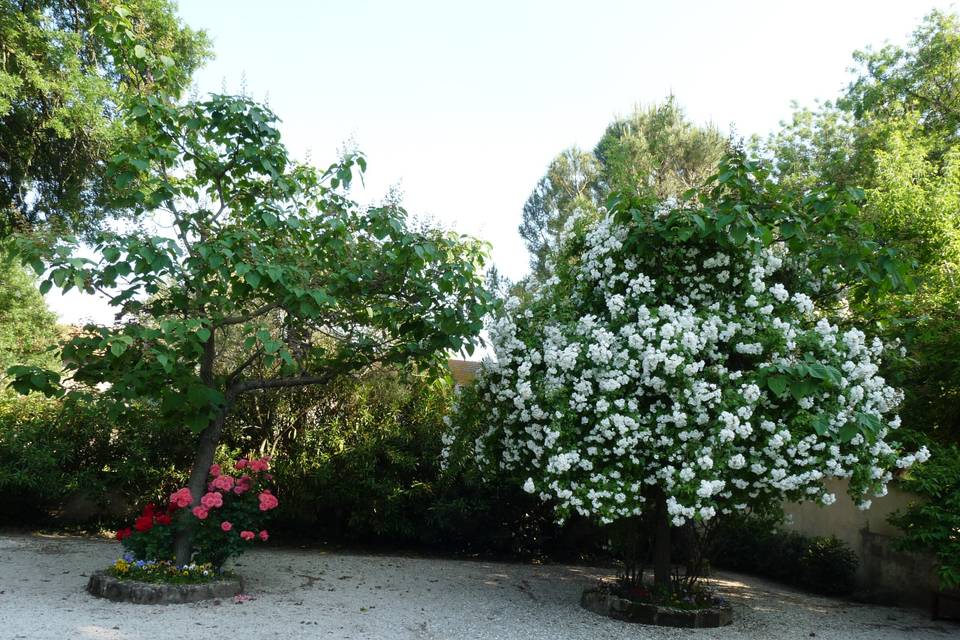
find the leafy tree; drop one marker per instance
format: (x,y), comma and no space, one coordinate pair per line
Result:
(571,183)
(66,68)
(677,364)
(894,133)
(271,278)
(654,152)
(28,330)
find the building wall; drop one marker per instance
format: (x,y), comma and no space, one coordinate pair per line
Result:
(885,575)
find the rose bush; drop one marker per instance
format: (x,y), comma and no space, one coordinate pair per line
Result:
(228,518)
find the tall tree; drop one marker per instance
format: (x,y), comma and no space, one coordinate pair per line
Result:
(894,133)
(571,183)
(271,278)
(654,152)
(66,68)
(28,330)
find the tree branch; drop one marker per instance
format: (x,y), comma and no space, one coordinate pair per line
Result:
(280,383)
(228,320)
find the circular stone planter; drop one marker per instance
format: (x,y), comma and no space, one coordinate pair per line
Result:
(613,606)
(106,586)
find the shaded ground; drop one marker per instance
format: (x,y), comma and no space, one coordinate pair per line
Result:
(313,594)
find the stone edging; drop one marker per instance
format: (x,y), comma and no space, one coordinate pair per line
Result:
(606,604)
(106,586)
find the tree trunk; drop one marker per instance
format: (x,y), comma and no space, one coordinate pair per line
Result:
(206,448)
(661,544)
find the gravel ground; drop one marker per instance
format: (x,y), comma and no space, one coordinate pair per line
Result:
(315,594)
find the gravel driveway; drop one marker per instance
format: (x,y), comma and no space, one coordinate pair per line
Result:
(315,594)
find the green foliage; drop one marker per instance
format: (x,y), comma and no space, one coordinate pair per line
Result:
(759,546)
(933,523)
(64,70)
(743,207)
(60,455)
(28,331)
(358,461)
(301,282)
(652,153)
(894,133)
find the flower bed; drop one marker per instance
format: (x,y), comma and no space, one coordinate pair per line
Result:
(165,572)
(104,585)
(699,610)
(224,523)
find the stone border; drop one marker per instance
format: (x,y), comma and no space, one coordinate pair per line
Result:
(606,604)
(106,586)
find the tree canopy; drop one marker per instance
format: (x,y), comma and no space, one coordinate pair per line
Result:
(894,133)
(28,330)
(653,153)
(66,69)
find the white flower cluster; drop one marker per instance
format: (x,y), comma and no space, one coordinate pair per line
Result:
(636,376)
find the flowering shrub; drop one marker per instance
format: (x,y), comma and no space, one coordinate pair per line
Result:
(225,520)
(677,358)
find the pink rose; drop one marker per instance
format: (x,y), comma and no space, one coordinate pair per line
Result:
(215,470)
(212,500)
(226,526)
(224,483)
(241,463)
(246,535)
(264,535)
(267,501)
(200,512)
(181,498)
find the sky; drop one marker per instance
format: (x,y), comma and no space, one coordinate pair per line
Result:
(461,105)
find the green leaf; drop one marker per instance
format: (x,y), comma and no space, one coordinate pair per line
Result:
(778,384)
(253,279)
(203,333)
(821,423)
(140,51)
(848,432)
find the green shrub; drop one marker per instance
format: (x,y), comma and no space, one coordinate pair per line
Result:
(758,545)
(828,566)
(359,462)
(933,524)
(69,458)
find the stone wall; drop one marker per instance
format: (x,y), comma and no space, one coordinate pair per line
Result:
(885,576)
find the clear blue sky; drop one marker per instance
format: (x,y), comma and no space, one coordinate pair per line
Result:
(463,104)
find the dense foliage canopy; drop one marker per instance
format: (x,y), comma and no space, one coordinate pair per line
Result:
(653,152)
(66,70)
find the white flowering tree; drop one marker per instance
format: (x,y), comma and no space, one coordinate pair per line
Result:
(678,362)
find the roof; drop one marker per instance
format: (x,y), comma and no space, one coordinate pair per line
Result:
(464,372)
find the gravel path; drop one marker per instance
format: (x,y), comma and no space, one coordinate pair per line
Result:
(314,594)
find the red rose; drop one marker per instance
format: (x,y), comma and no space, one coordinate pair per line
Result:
(143,523)
(164,519)
(124,533)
